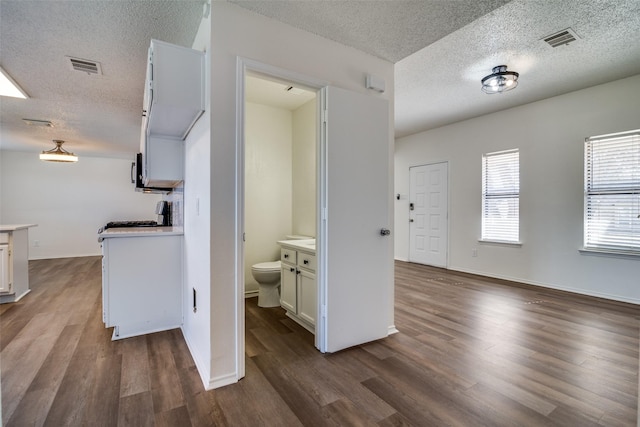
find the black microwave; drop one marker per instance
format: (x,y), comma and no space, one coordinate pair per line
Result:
(136,177)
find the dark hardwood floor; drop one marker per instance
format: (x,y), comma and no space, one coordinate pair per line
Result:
(471,352)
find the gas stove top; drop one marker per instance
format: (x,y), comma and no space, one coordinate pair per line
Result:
(125,224)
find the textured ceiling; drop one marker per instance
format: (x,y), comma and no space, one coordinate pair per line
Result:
(440,84)
(388,29)
(442,48)
(97,114)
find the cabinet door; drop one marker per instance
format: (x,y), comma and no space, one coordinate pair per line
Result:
(308,295)
(288,291)
(5,285)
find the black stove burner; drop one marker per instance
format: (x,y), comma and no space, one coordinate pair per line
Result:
(123,224)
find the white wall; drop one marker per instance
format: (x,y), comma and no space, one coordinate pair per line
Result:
(304,170)
(196,214)
(268,158)
(550,135)
(236,32)
(69,202)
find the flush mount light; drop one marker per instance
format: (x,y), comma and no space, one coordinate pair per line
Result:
(8,87)
(500,80)
(58,154)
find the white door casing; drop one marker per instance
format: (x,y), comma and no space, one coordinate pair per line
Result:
(428,214)
(356,259)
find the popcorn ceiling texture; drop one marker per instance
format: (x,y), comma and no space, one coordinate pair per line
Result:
(441,50)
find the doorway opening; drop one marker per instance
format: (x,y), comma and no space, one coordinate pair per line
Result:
(280,204)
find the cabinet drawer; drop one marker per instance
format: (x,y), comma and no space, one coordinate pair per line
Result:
(307,261)
(288,256)
(4,238)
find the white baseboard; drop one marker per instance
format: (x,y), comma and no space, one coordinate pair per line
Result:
(250,294)
(392,330)
(550,286)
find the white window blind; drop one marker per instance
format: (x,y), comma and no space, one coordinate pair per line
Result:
(501,196)
(612,192)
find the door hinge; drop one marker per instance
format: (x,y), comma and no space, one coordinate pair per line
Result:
(323,311)
(323,116)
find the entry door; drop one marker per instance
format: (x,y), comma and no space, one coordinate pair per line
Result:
(356,274)
(428,212)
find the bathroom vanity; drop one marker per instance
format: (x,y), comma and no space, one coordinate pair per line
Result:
(298,288)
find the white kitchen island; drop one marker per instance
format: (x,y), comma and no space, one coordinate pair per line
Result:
(141,279)
(14,262)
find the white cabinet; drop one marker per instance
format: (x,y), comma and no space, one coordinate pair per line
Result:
(174,99)
(14,262)
(5,272)
(298,289)
(142,284)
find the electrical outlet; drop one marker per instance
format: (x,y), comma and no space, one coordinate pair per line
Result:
(474,252)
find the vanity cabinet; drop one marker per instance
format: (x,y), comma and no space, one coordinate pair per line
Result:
(174,99)
(298,289)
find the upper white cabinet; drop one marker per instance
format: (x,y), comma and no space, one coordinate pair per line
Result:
(174,99)
(174,91)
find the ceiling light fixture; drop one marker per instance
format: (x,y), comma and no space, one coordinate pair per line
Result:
(8,87)
(500,80)
(58,154)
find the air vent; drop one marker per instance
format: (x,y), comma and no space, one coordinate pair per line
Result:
(37,122)
(85,65)
(560,38)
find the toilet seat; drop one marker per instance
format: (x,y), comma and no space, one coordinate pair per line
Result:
(267,266)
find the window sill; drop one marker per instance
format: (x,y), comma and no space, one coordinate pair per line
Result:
(610,253)
(500,242)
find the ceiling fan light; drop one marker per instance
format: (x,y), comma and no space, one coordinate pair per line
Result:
(58,154)
(500,80)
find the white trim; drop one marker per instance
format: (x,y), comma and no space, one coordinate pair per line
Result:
(610,253)
(244,65)
(203,369)
(222,381)
(251,294)
(393,330)
(500,242)
(549,286)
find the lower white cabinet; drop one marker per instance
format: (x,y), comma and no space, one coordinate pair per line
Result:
(14,262)
(5,273)
(298,289)
(142,284)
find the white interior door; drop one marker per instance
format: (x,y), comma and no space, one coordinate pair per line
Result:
(428,214)
(355,276)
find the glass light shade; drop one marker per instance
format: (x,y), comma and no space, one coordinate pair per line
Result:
(500,80)
(58,154)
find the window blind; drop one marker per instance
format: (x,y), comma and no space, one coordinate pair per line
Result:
(501,196)
(612,192)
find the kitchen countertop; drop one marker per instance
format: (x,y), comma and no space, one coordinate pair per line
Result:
(14,227)
(140,232)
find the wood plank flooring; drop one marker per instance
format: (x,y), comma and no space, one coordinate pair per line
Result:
(471,351)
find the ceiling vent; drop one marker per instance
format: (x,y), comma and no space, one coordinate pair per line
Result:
(560,38)
(85,65)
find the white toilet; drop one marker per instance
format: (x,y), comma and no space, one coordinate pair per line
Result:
(267,274)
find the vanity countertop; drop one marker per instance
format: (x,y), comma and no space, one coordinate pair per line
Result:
(308,245)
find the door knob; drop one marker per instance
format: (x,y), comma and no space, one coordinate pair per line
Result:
(385,232)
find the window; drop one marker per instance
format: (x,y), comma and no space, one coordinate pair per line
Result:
(501,196)
(612,192)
